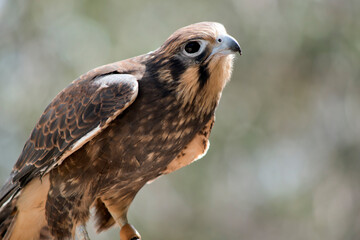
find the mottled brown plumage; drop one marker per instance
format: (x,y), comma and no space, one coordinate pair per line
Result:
(114,129)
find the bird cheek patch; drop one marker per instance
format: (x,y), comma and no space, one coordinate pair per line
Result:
(189,85)
(220,71)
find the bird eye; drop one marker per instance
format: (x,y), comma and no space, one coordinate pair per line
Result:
(194,48)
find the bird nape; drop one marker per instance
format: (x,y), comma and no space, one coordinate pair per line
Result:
(114,129)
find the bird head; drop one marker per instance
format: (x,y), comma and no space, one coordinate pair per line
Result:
(197,42)
(197,60)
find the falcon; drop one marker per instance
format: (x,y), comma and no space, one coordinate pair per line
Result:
(114,129)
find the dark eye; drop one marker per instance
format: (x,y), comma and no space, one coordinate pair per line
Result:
(192,47)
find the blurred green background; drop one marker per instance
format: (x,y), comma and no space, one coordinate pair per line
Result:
(284,161)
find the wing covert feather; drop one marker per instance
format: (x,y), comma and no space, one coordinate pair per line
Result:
(74,117)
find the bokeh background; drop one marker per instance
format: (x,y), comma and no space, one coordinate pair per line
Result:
(284,161)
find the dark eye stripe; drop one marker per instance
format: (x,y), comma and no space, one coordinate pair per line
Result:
(203,75)
(176,68)
(202,56)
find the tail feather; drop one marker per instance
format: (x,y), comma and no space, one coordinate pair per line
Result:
(104,220)
(8,190)
(8,208)
(7,215)
(22,215)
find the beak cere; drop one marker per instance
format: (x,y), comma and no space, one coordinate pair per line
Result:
(226,45)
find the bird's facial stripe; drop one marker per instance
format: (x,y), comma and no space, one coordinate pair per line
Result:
(203,57)
(203,75)
(177,68)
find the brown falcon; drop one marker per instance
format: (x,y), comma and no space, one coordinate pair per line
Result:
(114,129)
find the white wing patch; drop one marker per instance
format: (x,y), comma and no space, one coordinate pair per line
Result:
(85,138)
(111,79)
(104,81)
(76,146)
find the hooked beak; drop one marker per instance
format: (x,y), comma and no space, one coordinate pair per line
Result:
(226,44)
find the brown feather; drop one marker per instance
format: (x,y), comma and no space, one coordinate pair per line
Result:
(95,145)
(195,150)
